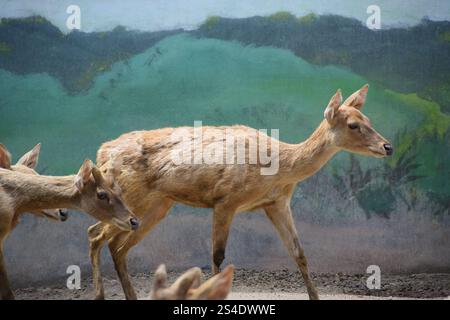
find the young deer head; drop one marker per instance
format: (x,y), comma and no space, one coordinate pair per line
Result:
(189,287)
(101,197)
(26,164)
(351,129)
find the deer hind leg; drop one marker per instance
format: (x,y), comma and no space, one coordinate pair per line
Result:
(281,216)
(5,289)
(120,244)
(98,234)
(222,219)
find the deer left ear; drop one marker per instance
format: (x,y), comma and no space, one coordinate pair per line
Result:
(160,278)
(30,159)
(358,98)
(333,106)
(5,157)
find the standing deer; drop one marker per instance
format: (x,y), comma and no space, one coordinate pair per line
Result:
(87,191)
(152,182)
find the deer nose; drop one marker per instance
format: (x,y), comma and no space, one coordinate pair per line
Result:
(63,214)
(389,149)
(134,223)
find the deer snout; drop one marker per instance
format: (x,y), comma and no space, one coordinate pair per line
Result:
(389,149)
(134,223)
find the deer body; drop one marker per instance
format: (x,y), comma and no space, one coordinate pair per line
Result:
(29,192)
(156,176)
(152,182)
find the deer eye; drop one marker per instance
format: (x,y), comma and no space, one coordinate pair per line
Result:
(102,195)
(353,126)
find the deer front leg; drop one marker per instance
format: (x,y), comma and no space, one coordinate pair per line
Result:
(5,289)
(120,264)
(222,219)
(120,244)
(281,216)
(98,234)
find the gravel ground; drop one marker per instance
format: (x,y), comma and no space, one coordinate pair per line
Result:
(280,284)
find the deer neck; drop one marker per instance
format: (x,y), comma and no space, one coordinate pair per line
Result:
(311,155)
(33,193)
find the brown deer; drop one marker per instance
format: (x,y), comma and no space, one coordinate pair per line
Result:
(189,287)
(26,164)
(152,182)
(87,191)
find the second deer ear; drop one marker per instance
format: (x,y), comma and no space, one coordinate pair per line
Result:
(358,98)
(160,278)
(223,285)
(30,159)
(5,157)
(188,280)
(333,106)
(84,174)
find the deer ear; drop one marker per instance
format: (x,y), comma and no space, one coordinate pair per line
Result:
(216,288)
(160,278)
(223,285)
(188,280)
(84,174)
(30,159)
(5,157)
(358,98)
(98,176)
(333,106)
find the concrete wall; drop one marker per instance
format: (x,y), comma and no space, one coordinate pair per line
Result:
(39,251)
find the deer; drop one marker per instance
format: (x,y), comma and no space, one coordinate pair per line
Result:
(27,164)
(87,191)
(152,183)
(189,287)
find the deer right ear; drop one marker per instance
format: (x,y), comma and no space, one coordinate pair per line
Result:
(84,174)
(216,288)
(223,284)
(333,106)
(5,157)
(188,280)
(358,98)
(30,159)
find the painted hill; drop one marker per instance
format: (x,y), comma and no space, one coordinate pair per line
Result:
(407,60)
(34,45)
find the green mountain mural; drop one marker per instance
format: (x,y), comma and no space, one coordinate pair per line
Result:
(151,80)
(413,59)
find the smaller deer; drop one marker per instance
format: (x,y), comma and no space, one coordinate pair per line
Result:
(26,164)
(87,191)
(188,286)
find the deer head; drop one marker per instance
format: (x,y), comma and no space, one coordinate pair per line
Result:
(351,130)
(26,164)
(101,198)
(189,287)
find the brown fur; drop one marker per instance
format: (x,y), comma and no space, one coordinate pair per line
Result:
(26,164)
(22,190)
(152,182)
